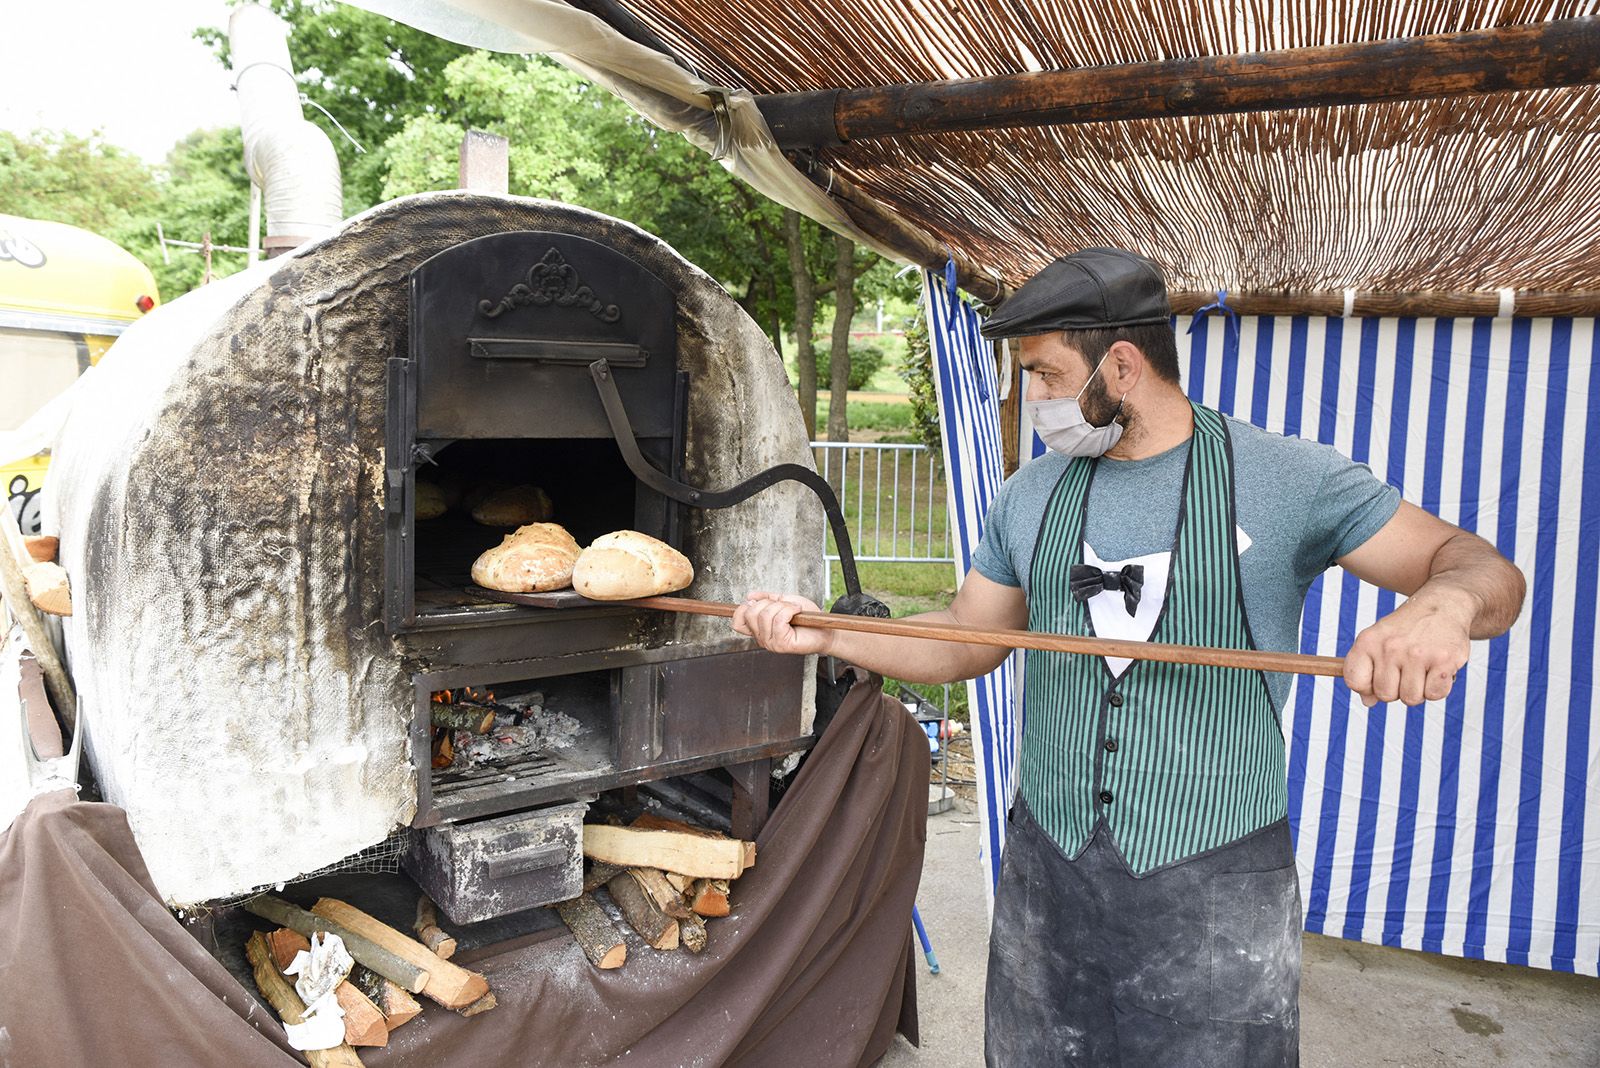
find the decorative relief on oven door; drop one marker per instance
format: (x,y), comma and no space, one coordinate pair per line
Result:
(552,281)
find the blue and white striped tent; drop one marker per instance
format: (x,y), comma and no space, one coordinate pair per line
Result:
(1469,826)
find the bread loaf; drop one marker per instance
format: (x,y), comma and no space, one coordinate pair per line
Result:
(430,501)
(535,558)
(514,507)
(628,564)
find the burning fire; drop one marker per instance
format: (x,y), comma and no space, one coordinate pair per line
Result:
(465,694)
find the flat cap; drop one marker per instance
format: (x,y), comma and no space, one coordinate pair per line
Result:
(1088,290)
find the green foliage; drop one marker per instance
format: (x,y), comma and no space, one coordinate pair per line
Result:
(867,355)
(77,180)
(918,374)
(203,189)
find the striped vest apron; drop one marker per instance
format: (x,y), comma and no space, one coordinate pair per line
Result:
(1174,760)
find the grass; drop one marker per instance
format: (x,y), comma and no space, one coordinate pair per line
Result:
(869,415)
(895,505)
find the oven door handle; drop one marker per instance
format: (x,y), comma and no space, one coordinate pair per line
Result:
(646,472)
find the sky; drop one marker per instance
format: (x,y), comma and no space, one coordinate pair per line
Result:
(131,71)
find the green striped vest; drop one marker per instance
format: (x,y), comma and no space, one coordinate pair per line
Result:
(1175,759)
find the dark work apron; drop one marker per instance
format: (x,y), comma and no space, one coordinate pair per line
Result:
(1148,911)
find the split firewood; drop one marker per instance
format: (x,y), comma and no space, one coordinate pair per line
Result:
(380,958)
(483,1004)
(710,898)
(459,717)
(42,548)
(429,932)
(680,883)
(692,931)
(48,588)
(661,892)
(598,874)
(364,1022)
(649,821)
(280,994)
(450,985)
(659,930)
(687,854)
(594,932)
(397,1006)
(444,750)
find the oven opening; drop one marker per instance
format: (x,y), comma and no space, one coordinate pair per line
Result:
(478,491)
(493,740)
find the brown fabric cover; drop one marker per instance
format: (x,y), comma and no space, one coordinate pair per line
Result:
(813,966)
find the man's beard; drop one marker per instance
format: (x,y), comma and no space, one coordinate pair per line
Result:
(1099,408)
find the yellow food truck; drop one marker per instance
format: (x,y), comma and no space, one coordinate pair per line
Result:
(65,295)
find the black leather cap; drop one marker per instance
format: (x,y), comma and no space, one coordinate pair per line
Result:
(1088,290)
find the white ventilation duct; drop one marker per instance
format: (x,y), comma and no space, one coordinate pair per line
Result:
(289,159)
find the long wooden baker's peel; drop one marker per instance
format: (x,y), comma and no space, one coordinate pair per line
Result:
(1247,659)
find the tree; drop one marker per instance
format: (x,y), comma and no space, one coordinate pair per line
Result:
(82,181)
(844,295)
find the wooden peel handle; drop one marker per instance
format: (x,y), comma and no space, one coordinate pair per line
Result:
(1248,659)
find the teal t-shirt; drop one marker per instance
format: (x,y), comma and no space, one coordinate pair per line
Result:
(1301,505)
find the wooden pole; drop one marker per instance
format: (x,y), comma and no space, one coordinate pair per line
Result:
(1544,55)
(1250,660)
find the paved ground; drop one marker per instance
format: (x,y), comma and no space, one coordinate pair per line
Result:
(1361,1006)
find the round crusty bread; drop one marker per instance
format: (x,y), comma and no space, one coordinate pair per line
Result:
(431,502)
(514,507)
(533,559)
(627,564)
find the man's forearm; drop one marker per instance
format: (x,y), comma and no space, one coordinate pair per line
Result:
(1472,580)
(916,659)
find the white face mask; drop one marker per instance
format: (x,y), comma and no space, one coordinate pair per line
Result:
(1061,426)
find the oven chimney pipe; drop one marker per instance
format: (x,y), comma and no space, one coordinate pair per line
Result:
(289,159)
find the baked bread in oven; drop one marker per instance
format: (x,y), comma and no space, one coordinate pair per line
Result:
(533,559)
(514,506)
(626,563)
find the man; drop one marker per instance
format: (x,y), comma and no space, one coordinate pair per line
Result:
(1148,907)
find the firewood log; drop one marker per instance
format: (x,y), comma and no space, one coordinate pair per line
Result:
(483,1004)
(42,548)
(649,821)
(687,854)
(444,750)
(48,588)
(364,1022)
(429,932)
(450,985)
(680,883)
(659,930)
(598,874)
(459,717)
(280,994)
(692,931)
(380,958)
(595,933)
(397,1006)
(710,898)
(660,892)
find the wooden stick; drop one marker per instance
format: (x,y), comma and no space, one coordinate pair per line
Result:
(462,717)
(1248,659)
(14,558)
(1541,55)
(687,854)
(282,997)
(450,985)
(693,933)
(379,958)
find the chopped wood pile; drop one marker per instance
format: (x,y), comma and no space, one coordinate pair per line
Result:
(390,966)
(666,879)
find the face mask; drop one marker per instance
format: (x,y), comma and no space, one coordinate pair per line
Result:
(1061,426)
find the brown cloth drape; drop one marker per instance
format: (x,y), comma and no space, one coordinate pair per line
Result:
(814,966)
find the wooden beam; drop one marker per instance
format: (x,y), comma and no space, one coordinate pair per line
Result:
(1545,55)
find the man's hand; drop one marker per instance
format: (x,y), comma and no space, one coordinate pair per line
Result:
(766,618)
(1412,654)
